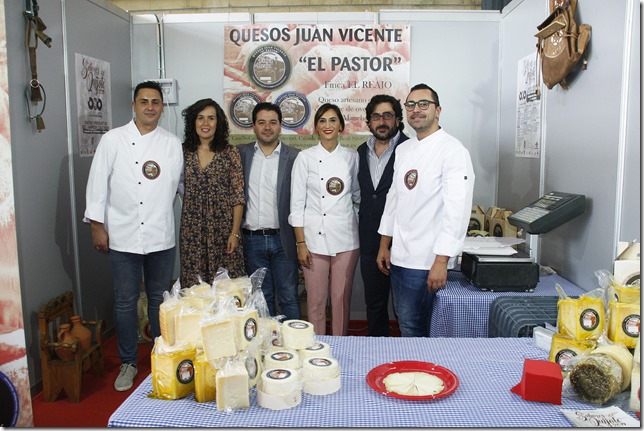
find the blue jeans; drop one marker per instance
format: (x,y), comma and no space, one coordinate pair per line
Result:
(412,301)
(281,278)
(127,269)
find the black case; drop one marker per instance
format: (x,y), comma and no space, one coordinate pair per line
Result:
(500,273)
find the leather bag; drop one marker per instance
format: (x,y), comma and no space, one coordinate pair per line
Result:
(562,43)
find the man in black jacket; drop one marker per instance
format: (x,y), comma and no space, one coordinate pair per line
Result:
(385,121)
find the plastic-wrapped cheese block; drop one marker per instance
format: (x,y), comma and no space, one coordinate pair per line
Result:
(596,378)
(280,381)
(581,318)
(202,290)
(246,327)
(317,350)
(173,374)
(564,347)
(283,358)
(297,334)
(205,379)
(232,387)
(624,322)
(187,327)
(233,288)
(622,356)
(218,339)
(254,368)
(167,312)
(629,294)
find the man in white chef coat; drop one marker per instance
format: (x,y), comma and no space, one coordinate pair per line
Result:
(426,213)
(132,184)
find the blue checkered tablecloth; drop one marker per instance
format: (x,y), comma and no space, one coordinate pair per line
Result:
(462,309)
(486,368)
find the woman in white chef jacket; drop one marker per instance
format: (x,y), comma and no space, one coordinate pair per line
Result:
(324,195)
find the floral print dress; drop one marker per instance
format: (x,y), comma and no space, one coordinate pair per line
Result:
(207,216)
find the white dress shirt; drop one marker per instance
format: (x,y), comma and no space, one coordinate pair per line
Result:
(428,217)
(377,164)
(131,188)
(261,208)
(324,190)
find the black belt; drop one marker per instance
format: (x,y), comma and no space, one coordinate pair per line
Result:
(264,232)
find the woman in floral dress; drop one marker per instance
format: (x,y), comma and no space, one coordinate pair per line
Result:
(213,200)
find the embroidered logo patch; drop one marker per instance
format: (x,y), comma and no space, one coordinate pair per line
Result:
(411,179)
(151,170)
(334,186)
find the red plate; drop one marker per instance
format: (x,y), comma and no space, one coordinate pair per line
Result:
(377,375)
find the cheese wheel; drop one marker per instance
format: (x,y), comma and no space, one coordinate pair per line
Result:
(280,381)
(596,378)
(317,350)
(232,387)
(278,401)
(622,356)
(297,334)
(283,359)
(322,387)
(315,369)
(218,339)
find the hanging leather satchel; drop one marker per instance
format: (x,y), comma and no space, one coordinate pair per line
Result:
(561,43)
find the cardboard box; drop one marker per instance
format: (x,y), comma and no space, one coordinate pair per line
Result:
(477,219)
(626,268)
(500,226)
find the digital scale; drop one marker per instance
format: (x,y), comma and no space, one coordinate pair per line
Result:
(519,272)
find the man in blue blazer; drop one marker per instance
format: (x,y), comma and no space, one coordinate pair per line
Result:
(377,154)
(269,241)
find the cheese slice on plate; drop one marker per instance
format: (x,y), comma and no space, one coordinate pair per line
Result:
(414,383)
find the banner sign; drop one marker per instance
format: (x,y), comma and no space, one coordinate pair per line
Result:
(93,102)
(301,67)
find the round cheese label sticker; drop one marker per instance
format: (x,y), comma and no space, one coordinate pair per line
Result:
(320,362)
(589,319)
(631,325)
(250,329)
(279,374)
(282,356)
(298,325)
(252,367)
(563,355)
(316,346)
(185,371)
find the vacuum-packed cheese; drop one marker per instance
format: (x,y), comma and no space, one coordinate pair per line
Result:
(622,356)
(581,318)
(254,368)
(218,339)
(245,327)
(596,378)
(173,374)
(205,379)
(232,387)
(167,312)
(187,327)
(624,322)
(629,294)
(563,347)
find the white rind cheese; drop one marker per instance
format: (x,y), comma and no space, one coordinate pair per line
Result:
(316,369)
(280,381)
(297,334)
(317,350)
(278,401)
(283,359)
(218,339)
(322,387)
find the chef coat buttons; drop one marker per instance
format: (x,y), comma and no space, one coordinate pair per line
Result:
(136,163)
(374,196)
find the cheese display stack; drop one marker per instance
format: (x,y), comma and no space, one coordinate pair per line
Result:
(172,370)
(279,389)
(297,334)
(321,376)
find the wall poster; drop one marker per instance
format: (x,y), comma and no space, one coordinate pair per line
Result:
(528,135)
(93,102)
(301,67)
(14,372)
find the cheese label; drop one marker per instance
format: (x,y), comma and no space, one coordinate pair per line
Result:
(320,362)
(564,354)
(631,325)
(589,319)
(316,346)
(282,356)
(298,325)
(252,367)
(185,371)
(279,374)
(250,329)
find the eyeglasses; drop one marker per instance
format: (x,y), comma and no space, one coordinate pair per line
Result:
(387,116)
(422,104)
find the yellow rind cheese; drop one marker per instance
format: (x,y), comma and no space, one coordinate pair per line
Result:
(581,318)
(563,347)
(629,294)
(205,379)
(173,374)
(624,322)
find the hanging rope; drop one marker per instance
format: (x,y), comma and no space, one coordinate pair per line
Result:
(35,30)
